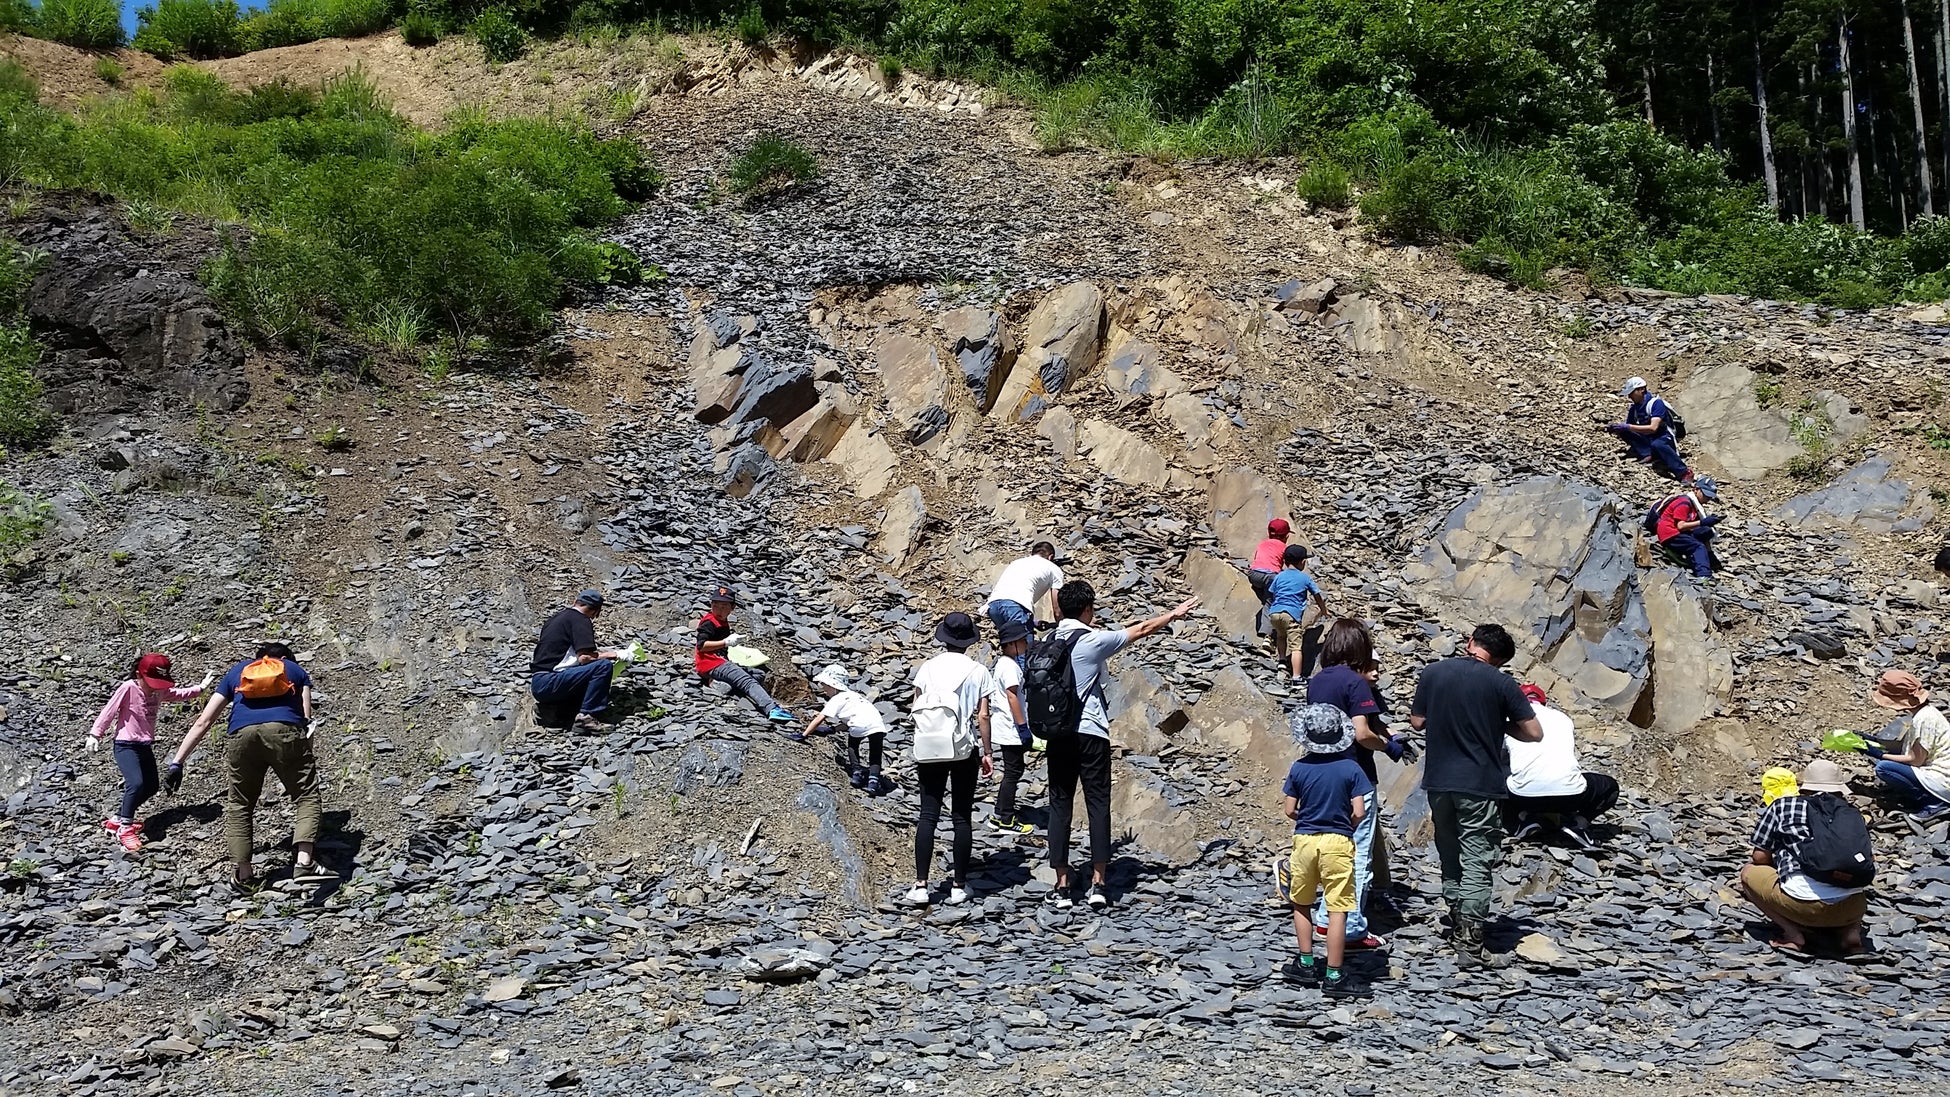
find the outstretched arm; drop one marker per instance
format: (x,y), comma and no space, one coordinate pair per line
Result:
(1145,628)
(204,719)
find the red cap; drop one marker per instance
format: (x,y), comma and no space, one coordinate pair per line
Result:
(1278,528)
(1535,695)
(154,671)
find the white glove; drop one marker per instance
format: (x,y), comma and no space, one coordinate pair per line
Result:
(91,743)
(732,639)
(209,679)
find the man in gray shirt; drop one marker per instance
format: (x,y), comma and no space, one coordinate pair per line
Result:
(1084,758)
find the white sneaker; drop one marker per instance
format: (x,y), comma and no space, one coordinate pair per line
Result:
(957,896)
(918,896)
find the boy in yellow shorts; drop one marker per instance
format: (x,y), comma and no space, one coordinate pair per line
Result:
(1324,791)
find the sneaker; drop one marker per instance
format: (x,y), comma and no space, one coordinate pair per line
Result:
(112,825)
(876,785)
(1096,897)
(586,722)
(1058,899)
(311,872)
(918,896)
(1283,879)
(779,715)
(1577,835)
(1527,827)
(1368,940)
(1012,824)
(1926,814)
(1299,974)
(130,835)
(957,895)
(1340,986)
(858,778)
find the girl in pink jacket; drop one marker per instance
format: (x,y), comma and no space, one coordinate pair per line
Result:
(130,716)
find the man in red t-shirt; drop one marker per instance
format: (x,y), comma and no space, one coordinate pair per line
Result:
(714,638)
(1686,529)
(1266,564)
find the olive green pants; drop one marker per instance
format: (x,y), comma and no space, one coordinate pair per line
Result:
(284,749)
(1467,832)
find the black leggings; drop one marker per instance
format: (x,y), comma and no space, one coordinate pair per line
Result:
(1012,767)
(934,779)
(874,744)
(137,761)
(1078,760)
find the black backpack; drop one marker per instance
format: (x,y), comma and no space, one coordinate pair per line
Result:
(1651,522)
(1675,424)
(1049,686)
(1836,850)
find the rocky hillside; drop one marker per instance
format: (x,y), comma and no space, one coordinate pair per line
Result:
(855,401)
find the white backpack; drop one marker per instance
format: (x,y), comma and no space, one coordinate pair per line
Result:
(941,734)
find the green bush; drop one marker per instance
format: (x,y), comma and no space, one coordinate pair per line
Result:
(771,162)
(18,16)
(1326,185)
(110,71)
(356,219)
(419,28)
(197,29)
(751,27)
(24,418)
(501,38)
(85,24)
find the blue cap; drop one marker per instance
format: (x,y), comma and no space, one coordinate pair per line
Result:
(590,598)
(722,594)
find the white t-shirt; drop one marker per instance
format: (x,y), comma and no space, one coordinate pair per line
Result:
(1548,767)
(1799,886)
(1002,719)
(954,672)
(856,712)
(1093,649)
(1025,581)
(1929,728)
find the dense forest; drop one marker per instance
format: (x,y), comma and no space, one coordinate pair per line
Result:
(1791,148)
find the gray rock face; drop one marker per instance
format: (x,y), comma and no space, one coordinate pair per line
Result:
(1864,499)
(983,349)
(118,323)
(1728,426)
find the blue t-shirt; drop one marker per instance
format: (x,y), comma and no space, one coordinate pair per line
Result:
(1290,589)
(1325,787)
(245,711)
(1350,692)
(1652,407)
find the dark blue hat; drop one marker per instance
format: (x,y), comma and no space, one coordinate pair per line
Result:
(590,598)
(722,594)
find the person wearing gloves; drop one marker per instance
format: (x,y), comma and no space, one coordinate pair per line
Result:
(1648,430)
(270,728)
(1010,725)
(1346,656)
(1685,529)
(714,639)
(130,717)
(855,717)
(1919,773)
(568,667)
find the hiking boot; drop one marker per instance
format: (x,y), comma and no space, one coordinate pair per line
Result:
(1299,974)
(1527,827)
(1471,952)
(779,715)
(858,778)
(1011,824)
(1339,985)
(1575,832)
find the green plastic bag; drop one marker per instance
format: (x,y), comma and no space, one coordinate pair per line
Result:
(1843,740)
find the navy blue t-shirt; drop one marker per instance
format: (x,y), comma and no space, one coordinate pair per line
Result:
(1349,691)
(1325,787)
(245,711)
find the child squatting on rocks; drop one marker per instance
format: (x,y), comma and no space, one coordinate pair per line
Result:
(854,716)
(1326,799)
(130,716)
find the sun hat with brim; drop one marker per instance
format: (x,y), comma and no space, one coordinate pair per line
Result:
(832,674)
(154,670)
(1632,385)
(1899,690)
(1823,775)
(957,630)
(1322,729)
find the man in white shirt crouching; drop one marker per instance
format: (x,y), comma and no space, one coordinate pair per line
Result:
(1546,781)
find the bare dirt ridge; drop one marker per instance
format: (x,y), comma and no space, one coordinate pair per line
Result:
(523,910)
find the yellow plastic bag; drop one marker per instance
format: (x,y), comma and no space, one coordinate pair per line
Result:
(1776,783)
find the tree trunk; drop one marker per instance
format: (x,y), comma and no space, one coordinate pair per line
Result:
(1645,72)
(1713,104)
(1824,159)
(1857,215)
(1923,184)
(1943,79)
(1767,139)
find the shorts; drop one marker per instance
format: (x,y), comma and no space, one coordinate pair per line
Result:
(1282,622)
(1766,883)
(1324,862)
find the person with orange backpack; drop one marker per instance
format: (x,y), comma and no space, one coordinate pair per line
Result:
(270,728)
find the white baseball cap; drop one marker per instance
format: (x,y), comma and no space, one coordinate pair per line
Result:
(1632,385)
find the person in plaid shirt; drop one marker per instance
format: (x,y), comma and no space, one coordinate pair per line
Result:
(1775,883)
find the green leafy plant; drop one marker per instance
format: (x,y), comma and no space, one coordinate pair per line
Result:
(771,163)
(1326,185)
(22,518)
(751,28)
(890,71)
(84,24)
(1767,391)
(501,38)
(110,71)
(197,29)
(419,28)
